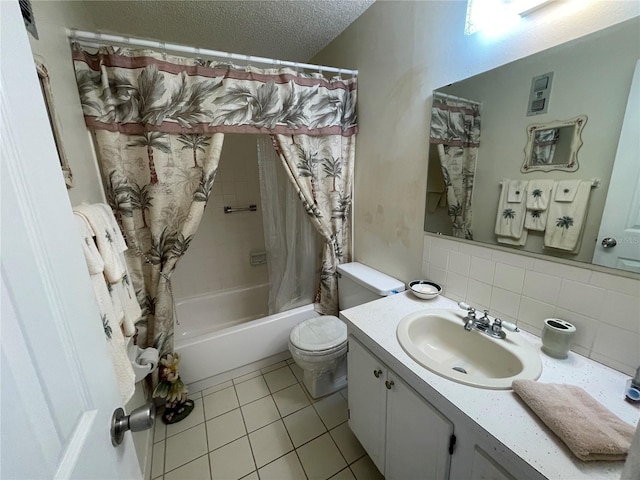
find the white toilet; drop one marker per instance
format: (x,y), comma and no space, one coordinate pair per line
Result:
(319,345)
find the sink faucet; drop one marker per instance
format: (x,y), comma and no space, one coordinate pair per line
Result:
(484,325)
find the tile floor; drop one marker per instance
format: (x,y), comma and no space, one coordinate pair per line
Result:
(262,425)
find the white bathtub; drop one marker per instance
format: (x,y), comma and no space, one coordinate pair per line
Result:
(228,330)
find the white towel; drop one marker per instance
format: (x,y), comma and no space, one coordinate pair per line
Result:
(538,193)
(510,216)
(122,366)
(517,191)
(566,219)
(536,220)
(566,190)
(518,242)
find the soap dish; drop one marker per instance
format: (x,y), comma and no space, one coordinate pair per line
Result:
(425,289)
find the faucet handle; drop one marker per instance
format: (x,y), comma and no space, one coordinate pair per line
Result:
(470,309)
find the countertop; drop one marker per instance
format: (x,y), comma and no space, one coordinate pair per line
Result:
(500,412)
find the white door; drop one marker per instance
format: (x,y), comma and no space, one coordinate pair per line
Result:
(418,435)
(621,216)
(58,386)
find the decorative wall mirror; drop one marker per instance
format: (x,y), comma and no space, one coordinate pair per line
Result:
(553,145)
(45,86)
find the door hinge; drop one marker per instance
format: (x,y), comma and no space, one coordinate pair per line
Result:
(452,444)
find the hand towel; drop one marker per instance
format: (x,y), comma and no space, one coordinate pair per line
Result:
(536,220)
(510,216)
(565,220)
(517,242)
(566,190)
(517,191)
(538,193)
(588,428)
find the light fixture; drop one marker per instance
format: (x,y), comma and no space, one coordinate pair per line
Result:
(484,13)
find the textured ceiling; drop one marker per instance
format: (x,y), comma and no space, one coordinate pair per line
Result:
(281,29)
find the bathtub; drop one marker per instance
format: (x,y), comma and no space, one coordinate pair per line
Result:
(227,330)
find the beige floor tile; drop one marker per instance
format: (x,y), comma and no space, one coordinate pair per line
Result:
(232,461)
(364,469)
(284,468)
(184,447)
(347,443)
(220,402)
(225,428)
(157,460)
(269,443)
(251,476)
(252,390)
(247,376)
(273,367)
(332,410)
(290,399)
(195,470)
(279,379)
(217,388)
(260,413)
(345,474)
(321,458)
(160,430)
(304,425)
(195,417)
(297,371)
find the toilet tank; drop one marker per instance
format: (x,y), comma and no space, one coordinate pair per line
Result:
(358,284)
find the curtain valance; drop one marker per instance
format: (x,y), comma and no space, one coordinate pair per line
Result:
(138,91)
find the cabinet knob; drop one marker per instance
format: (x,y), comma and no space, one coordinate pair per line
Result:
(389,384)
(377,373)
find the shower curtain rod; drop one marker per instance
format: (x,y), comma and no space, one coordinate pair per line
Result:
(86,38)
(453,97)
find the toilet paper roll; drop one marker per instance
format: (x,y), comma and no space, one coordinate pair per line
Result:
(557,337)
(143,361)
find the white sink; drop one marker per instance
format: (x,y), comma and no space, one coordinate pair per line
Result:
(437,340)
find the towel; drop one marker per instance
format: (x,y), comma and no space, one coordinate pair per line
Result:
(566,190)
(538,193)
(565,220)
(517,242)
(588,428)
(510,217)
(536,220)
(115,340)
(517,191)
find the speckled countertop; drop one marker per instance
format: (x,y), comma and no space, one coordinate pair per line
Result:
(510,421)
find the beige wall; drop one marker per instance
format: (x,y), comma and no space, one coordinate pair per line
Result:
(404,50)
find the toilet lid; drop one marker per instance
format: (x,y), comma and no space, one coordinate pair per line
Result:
(319,333)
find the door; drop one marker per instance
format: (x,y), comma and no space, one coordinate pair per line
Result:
(621,216)
(367,400)
(417,435)
(58,385)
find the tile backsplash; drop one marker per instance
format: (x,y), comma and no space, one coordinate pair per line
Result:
(604,308)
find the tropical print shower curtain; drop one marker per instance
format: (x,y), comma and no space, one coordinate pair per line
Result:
(455,129)
(159,122)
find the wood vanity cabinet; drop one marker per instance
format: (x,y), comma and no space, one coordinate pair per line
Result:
(403,434)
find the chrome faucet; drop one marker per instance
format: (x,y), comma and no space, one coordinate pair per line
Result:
(484,325)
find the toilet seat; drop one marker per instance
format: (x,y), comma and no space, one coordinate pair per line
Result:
(321,335)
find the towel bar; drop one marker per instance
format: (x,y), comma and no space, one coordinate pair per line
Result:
(250,208)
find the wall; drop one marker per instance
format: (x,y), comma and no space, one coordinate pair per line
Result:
(404,50)
(525,290)
(218,257)
(589,81)
(52,19)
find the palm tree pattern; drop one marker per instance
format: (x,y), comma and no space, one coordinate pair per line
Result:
(508,214)
(219,98)
(564,222)
(152,140)
(196,142)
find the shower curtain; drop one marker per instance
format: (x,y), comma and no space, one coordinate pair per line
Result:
(455,129)
(290,239)
(159,122)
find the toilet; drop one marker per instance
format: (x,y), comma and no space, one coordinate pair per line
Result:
(319,345)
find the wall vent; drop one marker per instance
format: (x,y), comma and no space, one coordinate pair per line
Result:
(29,19)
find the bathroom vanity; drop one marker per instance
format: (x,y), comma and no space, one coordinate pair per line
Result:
(416,424)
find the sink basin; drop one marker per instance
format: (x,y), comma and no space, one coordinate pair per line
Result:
(437,340)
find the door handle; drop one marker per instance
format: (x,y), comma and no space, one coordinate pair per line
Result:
(609,242)
(141,418)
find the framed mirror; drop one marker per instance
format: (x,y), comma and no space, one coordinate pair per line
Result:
(553,146)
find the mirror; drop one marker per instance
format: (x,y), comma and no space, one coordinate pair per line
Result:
(586,109)
(553,146)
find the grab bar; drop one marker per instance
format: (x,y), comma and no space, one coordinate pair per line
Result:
(250,208)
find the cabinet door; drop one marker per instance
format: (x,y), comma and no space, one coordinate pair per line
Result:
(417,436)
(367,402)
(485,468)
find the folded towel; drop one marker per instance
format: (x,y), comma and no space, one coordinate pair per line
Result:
(518,242)
(92,257)
(565,221)
(510,217)
(538,192)
(566,190)
(517,191)
(588,428)
(536,220)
